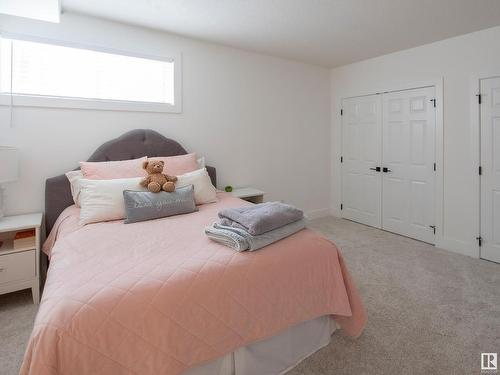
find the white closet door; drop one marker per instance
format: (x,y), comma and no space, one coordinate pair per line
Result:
(409,122)
(490,163)
(361,150)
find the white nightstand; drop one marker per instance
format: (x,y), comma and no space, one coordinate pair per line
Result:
(20,268)
(249,194)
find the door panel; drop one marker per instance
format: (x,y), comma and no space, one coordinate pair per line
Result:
(408,152)
(490,163)
(361,148)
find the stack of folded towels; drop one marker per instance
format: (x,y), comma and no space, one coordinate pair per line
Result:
(253,227)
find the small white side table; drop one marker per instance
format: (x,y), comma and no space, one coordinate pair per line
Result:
(20,268)
(249,194)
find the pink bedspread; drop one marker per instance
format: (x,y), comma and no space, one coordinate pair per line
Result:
(158,297)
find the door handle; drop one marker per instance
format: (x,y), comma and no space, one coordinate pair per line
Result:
(386,170)
(375,169)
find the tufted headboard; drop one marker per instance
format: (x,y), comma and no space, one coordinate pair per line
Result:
(131,145)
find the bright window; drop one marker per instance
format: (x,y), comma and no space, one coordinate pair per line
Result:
(69,75)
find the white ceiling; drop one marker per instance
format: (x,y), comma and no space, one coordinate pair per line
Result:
(42,10)
(324,32)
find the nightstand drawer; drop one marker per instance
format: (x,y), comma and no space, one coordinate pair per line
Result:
(17,266)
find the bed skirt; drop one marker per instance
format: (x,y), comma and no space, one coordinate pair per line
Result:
(276,355)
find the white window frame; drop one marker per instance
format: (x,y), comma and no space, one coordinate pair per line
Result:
(24,100)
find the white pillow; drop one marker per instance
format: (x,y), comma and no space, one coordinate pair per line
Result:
(102,200)
(74,178)
(201,162)
(204,191)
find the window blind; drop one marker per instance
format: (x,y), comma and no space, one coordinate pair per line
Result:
(50,70)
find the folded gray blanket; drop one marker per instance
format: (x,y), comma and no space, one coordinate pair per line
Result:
(260,218)
(240,240)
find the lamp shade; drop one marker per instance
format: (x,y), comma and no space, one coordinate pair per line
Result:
(8,164)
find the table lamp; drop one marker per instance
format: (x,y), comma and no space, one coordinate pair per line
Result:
(8,171)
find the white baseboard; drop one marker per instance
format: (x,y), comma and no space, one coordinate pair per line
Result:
(457,246)
(319,213)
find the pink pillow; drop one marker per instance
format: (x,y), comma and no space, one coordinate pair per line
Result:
(177,165)
(108,170)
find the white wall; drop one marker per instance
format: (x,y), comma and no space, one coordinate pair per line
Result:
(456,60)
(261,121)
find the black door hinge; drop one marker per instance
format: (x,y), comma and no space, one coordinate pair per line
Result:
(434,167)
(433,228)
(433,102)
(479,96)
(341,112)
(341,159)
(480,170)
(341,206)
(479,241)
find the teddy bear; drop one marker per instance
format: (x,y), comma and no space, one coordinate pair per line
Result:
(157,181)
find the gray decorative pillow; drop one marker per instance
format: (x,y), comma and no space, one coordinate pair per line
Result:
(144,205)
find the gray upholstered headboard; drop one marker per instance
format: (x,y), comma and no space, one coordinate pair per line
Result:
(131,145)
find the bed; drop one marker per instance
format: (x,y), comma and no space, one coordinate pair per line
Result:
(160,297)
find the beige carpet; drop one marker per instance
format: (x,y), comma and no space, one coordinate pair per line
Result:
(17,313)
(430,311)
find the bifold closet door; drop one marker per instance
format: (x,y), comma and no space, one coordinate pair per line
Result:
(408,156)
(490,165)
(361,150)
